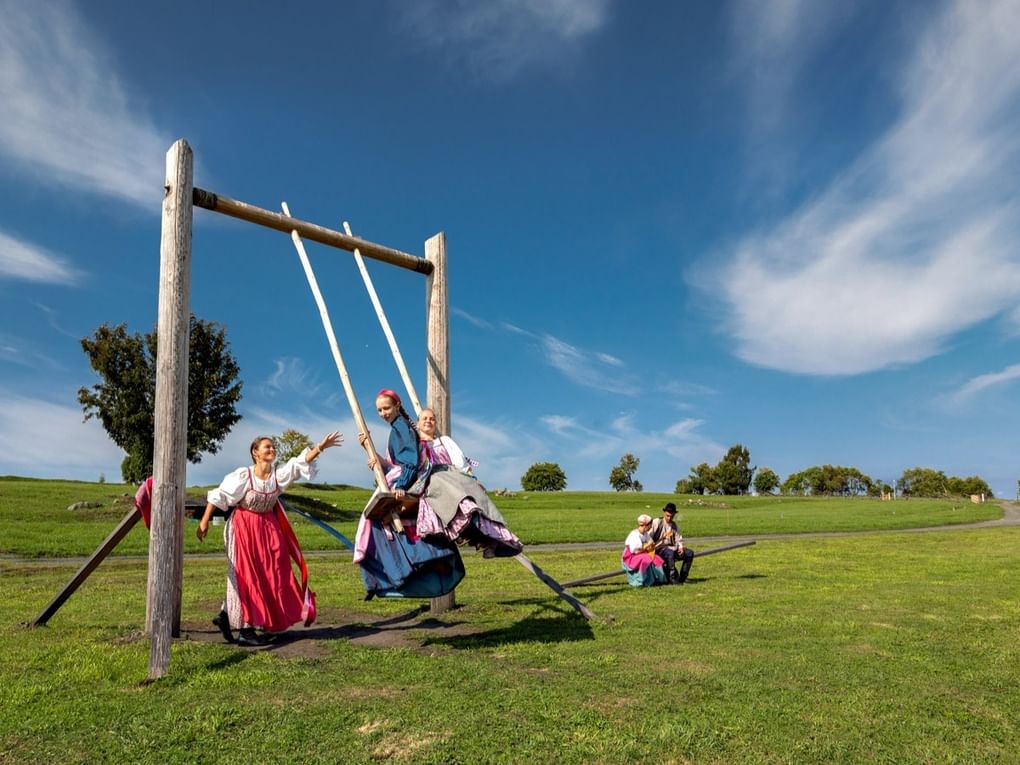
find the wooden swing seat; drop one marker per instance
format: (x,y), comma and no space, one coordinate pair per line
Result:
(383,505)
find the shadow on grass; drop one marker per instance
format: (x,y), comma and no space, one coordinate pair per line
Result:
(322,510)
(533,629)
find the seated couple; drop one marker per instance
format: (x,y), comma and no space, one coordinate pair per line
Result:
(651,551)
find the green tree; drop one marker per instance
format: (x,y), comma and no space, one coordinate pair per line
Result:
(766,481)
(965,487)
(733,474)
(700,481)
(829,480)
(544,476)
(924,482)
(621,477)
(290,445)
(685,486)
(124,401)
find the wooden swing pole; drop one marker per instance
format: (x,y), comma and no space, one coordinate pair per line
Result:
(380,476)
(385,324)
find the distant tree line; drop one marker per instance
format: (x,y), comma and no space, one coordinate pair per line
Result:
(733,474)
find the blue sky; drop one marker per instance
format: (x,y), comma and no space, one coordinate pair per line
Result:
(672,227)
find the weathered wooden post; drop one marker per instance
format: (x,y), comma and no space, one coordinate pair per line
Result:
(437,365)
(163,609)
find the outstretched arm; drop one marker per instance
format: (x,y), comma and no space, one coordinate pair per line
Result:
(336,438)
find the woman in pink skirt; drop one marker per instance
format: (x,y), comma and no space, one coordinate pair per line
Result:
(262,590)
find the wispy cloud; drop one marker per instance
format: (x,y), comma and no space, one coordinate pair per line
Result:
(984,382)
(23,261)
(292,375)
(471,319)
(514,329)
(25,353)
(772,46)
(66,116)
(498,39)
(772,42)
(917,240)
(586,368)
(51,315)
(32,426)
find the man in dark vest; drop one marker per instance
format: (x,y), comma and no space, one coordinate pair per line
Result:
(669,544)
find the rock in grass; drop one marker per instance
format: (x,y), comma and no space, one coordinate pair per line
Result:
(84,505)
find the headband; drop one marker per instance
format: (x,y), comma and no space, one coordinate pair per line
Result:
(389,394)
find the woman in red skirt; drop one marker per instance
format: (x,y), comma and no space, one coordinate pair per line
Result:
(262,591)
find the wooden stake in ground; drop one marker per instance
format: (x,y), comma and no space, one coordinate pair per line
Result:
(104,549)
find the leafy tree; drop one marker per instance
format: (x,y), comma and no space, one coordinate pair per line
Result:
(766,481)
(970,485)
(829,480)
(124,402)
(290,445)
(924,482)
(700,481)
(685,486)
(734,472)
(621,477)
(544,476)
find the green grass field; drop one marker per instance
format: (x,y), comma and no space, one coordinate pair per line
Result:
(873,648)
(36,520)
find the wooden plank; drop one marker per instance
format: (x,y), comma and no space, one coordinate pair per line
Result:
(89,566)
(166,538)
(244,211)
(554,586)
(621,572)
(341,367)
(383,505)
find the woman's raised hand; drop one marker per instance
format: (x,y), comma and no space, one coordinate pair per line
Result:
(336,438)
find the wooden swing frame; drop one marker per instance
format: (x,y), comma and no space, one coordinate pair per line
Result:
(163,601)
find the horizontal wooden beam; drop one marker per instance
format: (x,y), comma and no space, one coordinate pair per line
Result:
(207,200)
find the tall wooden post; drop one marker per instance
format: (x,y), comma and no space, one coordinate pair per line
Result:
(437,371)
(163,611)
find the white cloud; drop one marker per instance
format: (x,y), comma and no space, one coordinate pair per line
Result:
(66,117)
(346,464)
(292,375)
(499,39)
(514,329)
(480,323)
(503,451)
(772,42)
(20,260)
(917,240)
(588,369)
(16,350)
(981,383)
(49,440)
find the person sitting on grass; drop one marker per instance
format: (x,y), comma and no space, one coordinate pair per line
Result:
(643,566)
(669,543)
